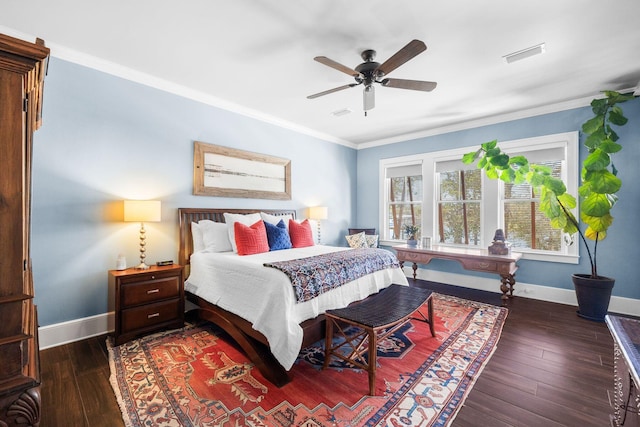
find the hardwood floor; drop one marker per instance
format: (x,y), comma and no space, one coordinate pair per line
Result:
(551,368)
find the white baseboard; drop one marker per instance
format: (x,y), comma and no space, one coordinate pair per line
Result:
(619,305)
(75,330)
(79,329)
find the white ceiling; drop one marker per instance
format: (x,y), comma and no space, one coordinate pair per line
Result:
(256,57)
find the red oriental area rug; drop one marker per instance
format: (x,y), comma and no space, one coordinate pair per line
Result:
(195,377)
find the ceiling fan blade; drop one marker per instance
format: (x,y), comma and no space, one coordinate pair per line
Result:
(412,49)
(409,84)
(335,89)
(368,99)
(336,65)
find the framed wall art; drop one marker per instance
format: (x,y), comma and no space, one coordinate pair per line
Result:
(229,172)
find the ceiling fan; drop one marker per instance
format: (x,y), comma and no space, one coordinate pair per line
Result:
(370,72)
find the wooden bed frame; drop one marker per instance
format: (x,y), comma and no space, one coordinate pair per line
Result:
(252,342)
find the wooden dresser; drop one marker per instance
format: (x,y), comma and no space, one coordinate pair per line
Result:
(146,301)
(22,69)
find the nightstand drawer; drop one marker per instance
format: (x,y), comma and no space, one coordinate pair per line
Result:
(146,301)
(150,315)
(137,293)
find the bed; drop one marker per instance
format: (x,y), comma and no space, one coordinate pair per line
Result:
(270,332)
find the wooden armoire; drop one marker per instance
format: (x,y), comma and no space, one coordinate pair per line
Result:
(22,69)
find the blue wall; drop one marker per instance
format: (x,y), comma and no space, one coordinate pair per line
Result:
(105,139)
(617,255)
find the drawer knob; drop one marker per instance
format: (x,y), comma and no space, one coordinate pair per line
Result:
(153,277)
(153,291)
(151,316)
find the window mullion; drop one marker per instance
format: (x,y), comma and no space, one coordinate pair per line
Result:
(463,197)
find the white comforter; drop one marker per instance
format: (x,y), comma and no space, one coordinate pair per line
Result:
(265,297)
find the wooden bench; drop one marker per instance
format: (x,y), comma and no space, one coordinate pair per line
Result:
(378,317)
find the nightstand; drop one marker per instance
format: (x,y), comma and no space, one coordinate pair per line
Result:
(146,301)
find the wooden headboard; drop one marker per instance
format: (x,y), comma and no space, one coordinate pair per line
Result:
(189,215)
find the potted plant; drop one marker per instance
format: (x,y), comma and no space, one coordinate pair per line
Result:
(597,192)
(411,231)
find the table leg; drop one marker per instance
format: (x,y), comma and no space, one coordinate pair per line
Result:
(415,269)
(508,281)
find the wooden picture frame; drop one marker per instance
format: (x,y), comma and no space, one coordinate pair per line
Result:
(229,172)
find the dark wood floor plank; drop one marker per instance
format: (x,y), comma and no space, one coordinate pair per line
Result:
(509,379)
(566,380)
(576,401)
(502,411)
(550,410)
(471,417)
(61,399)
(88,355)
(565,366)
(98,398)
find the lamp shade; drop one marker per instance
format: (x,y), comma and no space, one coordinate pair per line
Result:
(318,212)
(142,210)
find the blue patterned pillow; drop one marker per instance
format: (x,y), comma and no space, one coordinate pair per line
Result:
(278,236)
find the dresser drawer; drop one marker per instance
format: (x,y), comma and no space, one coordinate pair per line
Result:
(142,292)
(150,315)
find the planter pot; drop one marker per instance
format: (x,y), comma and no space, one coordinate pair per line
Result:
(412,242)
(593,296)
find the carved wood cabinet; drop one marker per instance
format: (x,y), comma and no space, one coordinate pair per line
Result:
(22,69)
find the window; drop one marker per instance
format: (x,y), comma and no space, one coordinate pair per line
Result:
(459,202)
(456,204)
(524,225)
(404,199)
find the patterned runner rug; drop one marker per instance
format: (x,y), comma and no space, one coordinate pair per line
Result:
(195,376)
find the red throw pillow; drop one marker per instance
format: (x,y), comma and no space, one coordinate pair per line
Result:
(251,240)
(300,233)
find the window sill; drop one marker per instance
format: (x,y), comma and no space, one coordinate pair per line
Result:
(564,259)
(533,256)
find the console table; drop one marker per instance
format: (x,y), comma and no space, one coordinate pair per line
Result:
(626,369)
(471,259)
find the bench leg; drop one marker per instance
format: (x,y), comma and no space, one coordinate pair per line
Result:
(373,355)
(327,342)
(428,319)
(430,313)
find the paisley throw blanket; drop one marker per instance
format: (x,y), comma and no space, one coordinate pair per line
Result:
(317,274)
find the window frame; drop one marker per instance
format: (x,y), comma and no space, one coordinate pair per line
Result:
(491,209)
(408,161)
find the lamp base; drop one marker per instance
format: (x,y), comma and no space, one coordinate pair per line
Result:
(142,266)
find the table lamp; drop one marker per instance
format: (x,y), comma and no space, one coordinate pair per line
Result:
(317,213)
(142,211)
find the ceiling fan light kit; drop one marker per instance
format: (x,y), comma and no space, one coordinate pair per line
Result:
(370,72)
(524,53)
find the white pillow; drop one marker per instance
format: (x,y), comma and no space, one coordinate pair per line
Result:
(215,237)
(196,236)
(275,219)
(357,241)
(372,240)
(247,220)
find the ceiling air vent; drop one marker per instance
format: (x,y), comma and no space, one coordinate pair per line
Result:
(524,53)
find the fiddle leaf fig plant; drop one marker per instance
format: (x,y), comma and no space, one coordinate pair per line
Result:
(599,180)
